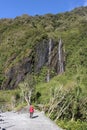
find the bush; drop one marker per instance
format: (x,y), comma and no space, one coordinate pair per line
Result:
(72,125)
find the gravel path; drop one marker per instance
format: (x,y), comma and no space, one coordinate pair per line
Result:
(21,121)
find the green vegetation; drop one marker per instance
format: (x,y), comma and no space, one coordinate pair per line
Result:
(20,35)
(64,97)
(27,89)
(64,101)
(73,125)
(9,99)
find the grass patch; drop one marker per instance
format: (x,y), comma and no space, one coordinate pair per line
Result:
(7,98)
(72,125)
(45,89)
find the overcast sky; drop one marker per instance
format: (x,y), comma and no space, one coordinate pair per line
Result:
(13,8)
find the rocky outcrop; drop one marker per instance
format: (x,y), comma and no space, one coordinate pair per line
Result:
(17,73)
(33,63)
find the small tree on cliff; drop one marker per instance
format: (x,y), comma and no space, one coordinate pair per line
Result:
(27,88)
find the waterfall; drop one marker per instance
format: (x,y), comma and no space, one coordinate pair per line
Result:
(60,58)
(49,56)
(49,60)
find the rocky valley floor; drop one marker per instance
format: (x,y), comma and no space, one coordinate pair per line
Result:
(22,121)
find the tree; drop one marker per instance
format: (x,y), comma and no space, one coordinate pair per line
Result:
(68,104)
(27,88)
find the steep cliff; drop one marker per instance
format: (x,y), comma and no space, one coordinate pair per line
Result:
(25,46)
(38,58)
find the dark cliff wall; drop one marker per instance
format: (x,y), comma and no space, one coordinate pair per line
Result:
(33,63)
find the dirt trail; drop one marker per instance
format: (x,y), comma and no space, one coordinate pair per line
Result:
(21,121)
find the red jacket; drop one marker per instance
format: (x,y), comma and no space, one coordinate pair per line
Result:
(31,109)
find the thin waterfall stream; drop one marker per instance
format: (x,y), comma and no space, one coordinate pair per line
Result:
(60,58)
(49,60)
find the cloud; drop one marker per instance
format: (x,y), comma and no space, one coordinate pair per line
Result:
(85,2)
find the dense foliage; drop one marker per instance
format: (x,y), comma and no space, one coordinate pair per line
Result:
(20,35)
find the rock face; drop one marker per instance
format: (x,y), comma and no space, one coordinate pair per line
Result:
(41,55)
(33,63)
(17,74)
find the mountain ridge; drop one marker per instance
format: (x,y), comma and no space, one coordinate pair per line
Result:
(21,34)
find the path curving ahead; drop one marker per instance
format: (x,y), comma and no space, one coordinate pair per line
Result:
(21,121)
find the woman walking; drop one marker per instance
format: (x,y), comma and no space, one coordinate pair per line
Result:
(31,111)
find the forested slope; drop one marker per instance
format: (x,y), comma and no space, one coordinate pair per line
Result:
(20,36)
(48,56)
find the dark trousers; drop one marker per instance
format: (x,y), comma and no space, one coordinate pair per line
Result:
(31,114)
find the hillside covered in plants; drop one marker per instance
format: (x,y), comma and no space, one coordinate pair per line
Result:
(20,37)
(52,48)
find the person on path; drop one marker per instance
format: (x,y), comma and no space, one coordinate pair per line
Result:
(31,111)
